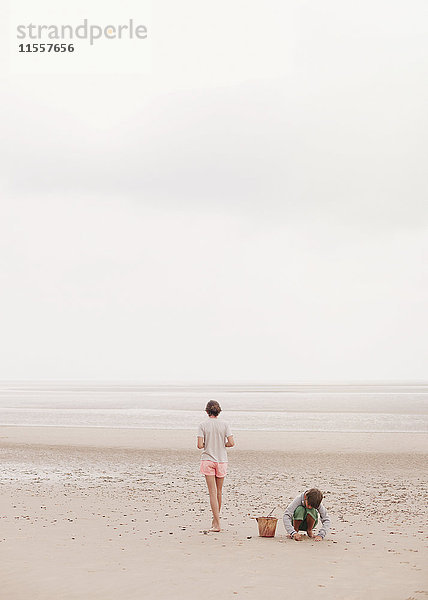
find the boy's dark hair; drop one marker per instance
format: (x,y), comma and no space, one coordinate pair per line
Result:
(314,497)
(213,408)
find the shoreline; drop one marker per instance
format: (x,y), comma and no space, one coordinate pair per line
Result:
(185,439)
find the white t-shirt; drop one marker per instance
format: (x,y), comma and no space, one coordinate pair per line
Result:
(214,432)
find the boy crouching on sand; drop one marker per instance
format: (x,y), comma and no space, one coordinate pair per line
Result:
(302,515)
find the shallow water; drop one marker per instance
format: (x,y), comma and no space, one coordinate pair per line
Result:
(298,407)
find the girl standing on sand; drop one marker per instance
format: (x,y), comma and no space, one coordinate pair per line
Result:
(214,436)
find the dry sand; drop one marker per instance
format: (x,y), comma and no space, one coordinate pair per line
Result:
(106,514)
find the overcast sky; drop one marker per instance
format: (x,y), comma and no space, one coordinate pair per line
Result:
(253,209)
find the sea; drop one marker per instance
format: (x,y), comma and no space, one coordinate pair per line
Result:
(344,407)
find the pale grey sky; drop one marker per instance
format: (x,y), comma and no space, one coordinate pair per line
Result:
(253,209)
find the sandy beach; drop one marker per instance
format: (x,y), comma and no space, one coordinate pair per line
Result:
(112,513)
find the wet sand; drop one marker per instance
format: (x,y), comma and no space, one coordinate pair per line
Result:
(103,514)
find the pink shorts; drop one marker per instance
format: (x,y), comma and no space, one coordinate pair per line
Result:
(209,467)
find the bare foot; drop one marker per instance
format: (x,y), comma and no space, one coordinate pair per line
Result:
(212,530)
(310,533)
(215,526)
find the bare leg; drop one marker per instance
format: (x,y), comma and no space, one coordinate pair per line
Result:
(212,489)
(219,483)
(296,524)
(311,522)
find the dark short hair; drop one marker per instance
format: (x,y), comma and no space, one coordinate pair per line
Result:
(213,408)
(314,497)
